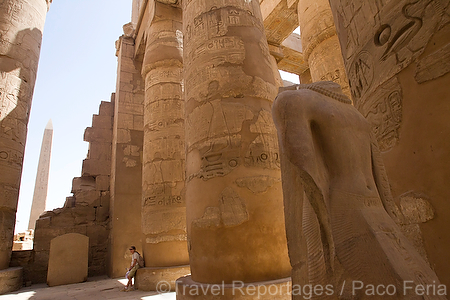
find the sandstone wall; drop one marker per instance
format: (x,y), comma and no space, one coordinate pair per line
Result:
(126,172)
(87,211)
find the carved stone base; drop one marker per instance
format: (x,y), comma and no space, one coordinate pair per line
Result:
(159,279)
(187,289)
(11,280)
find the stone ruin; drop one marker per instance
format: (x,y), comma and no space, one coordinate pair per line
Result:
(189,138)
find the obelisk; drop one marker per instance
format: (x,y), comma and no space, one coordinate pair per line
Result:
(41,185)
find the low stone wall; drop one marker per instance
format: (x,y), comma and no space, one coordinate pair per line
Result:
(24,259)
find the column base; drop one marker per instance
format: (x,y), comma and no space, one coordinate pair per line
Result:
(187,289)
(159,279)
(11,280)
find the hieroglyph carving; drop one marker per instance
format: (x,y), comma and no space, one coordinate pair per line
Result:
(378,40)
(384,112)
(231,211)
(218,136)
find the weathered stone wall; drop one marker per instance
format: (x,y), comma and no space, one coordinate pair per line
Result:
(87,211)
(24,259)
(126,172)
(396,54)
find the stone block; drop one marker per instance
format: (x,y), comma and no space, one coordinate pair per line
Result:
(68,261)
(83,215)
(86,197)
(100,150)
(41,259)
(129,108)
(63,219)
(102,214)
(21,258)
(11,280)
(138,122)
(43,222)
(102,121)
(97,234)
(123,136)
(126,77)
(92,167)
(106,108)
(125,121)
(83,183)
(138,97)
(70,202)
(92,134)
(102,183)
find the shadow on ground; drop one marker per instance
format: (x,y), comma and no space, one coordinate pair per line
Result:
(96,288)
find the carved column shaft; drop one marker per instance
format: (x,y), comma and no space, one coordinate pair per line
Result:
(233,189)
(320,43)
(22,24)
(164,208)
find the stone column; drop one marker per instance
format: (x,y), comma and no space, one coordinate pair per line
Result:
(233,187)
(320,43)
(22,24)
(41,185)
(163,199)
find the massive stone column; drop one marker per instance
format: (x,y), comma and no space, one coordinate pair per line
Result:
(163,199)
(22,24)
(396,53)
(233,188)
(41,185)
(320,43)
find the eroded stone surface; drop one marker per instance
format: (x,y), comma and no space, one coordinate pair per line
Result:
(163,193)
(11,280)
(229,87)
(343,226)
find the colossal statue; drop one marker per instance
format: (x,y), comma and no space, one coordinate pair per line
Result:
(341,220)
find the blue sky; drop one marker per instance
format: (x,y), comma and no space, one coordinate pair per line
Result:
(77,70)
